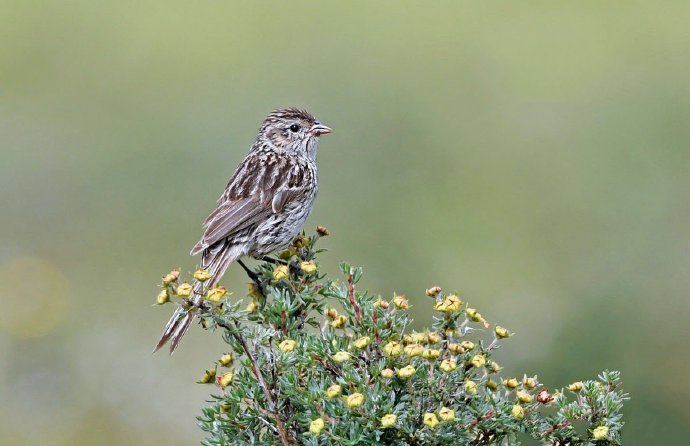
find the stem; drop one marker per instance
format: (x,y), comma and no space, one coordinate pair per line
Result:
(351,295)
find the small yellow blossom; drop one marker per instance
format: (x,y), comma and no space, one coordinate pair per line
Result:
(341,356)
(332,313)
(393,348)
(431,354)
(448,365)
(467,345)
(171,277)
(524,397)
(202,275)
(388,420)
(354,400)
(208,377)
(575,387)
(251,307)
(455,348)
(501,332)
(307,267)
(433,291)
(400,302)
(518,412)
(431,420)
(184,290)
(418,338)
(334,391)
(163,297)
(216,294)
(413,350)
(446,414)
(474,316)
(406,372)
(600,433)
(338,322)
(316,426)
(226,360)
(362,342)
(387,373)
(380,303)
(529,382)
(280,272)
(494,367)
(288,345)
(491,384)
(450,304)
(510,383)
(434,338)
(225,379)
(478,361)
(471,387)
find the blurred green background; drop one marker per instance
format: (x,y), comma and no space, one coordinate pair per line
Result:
(533,156)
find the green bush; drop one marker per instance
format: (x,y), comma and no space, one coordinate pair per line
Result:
(313,361)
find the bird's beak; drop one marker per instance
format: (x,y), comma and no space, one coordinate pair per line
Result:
(319,129)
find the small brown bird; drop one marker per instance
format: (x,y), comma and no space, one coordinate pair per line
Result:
(263,207)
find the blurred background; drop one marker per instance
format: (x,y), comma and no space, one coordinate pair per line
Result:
(534,158)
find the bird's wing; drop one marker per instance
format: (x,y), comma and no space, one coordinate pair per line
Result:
(261,186)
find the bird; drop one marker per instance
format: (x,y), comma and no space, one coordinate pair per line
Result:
(263,207)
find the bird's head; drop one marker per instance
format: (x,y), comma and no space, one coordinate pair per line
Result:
(293,130)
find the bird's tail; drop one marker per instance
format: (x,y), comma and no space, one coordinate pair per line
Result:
(175,329)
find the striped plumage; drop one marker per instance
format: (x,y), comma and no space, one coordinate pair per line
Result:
(264,205)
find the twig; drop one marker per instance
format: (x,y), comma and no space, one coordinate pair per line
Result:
(351,295)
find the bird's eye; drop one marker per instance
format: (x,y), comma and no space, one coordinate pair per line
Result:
(294,128)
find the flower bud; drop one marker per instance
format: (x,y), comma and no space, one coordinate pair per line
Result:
(529,382)
(413,350)
(216,294)
(474,316)
(387,373)
(338,322)
(575,387)
(334,391)
(524,397)
(322,231)
(448,365)
(518,412)
(251,307)
(202,275)
(446,414)
(431,420)
(600,433)
(388,420)
(501,332)
(225,379)
(400,302)
(392,349)
(171,277)
(478,361)
(450,304)
(288,345)
(362,342)
(208,377)
(544,397)
(491,384)
(380,303)
(354,400)
(226,360)
(316,426)
(184,290)
(433,291)
(307,267)
(332,313)
(455,348)
(431,354)
(406,372)
(494,367)
(341,356)
(418,338)
(510,383)
(434,338)
(467,345)
(280,272)
(471,387)
(163,297)
(299,241)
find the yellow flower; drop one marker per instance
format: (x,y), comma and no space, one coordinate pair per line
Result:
(316,426)
(518,412)
(226,360)
(288,345)
(400,302)
(418,338)
(474,315)
(431,354)
(524,397)
(494,367)
(575,387)
(600,433)
(467,345)
(413,350)
(333,391)
(446,414)
(307,267)
(225,379)
(406,372)
(450,304)
(338,322)
(448,365)
(431,420)
(184,290)
(202,275)
(478,361)
(491,385)
(433,291)
(171,277)
(388,420)
(529,382)
(362,342)
(208,377)
(380,303)
(455,348)
(471,387)
(251,307)
(280,272)
(332,313)
(216,294)
(163,297)
(354,400)
(501,332)
(341,356)
(434,338)
(387,373)
(393,348)
(510,383)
